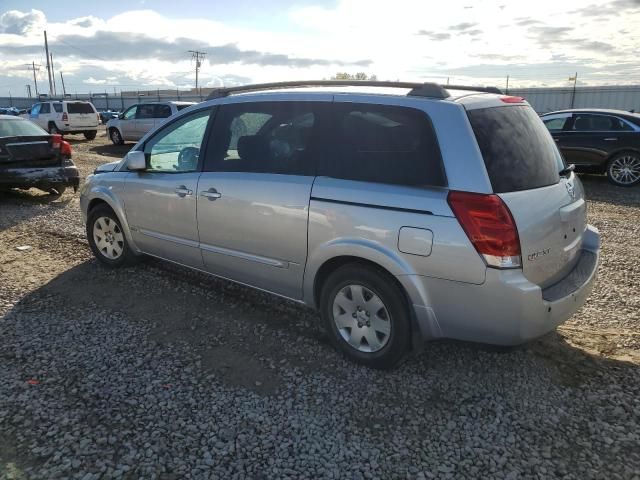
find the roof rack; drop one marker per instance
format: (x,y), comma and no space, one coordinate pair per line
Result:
(431,90)
(475,89)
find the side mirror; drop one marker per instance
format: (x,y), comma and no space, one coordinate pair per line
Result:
(136,160)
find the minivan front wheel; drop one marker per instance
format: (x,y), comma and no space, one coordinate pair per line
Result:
(624,169)
(115,137)
(106,238)
(366,316)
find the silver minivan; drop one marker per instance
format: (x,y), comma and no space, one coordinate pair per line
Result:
(137,120)
(402,212)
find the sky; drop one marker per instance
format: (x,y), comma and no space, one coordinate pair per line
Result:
(144,44)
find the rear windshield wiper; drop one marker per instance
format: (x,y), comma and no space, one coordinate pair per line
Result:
(566,170)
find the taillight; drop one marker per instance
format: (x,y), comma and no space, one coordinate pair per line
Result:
(65,149)
(512,99)
(65,117)
(56,140)
(489,225)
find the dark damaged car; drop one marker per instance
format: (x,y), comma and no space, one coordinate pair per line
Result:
(31,157)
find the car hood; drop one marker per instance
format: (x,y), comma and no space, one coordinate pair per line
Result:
(107,167)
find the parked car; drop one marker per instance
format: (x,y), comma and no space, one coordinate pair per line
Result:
(106,115)
(31,157)
(597,140)
(137,120)
(402,212)
(66,116)
(9,111)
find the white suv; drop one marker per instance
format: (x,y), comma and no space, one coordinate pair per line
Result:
(66,116)
(137,120)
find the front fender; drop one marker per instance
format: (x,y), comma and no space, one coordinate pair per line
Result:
(108,194)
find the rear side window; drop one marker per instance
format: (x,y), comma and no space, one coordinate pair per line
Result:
(79,107)
(383,144)
(265,137)
(599,123)
(518,150)
(163,111)
(182,107)
(57,107)
(146,111)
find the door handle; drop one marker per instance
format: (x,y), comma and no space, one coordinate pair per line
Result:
(183,191)
(212,194)
(610,139)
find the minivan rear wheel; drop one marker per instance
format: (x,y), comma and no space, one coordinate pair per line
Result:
(366,316)
(107,239)
(623,170)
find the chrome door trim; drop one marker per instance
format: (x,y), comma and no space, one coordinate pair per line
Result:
(246,256)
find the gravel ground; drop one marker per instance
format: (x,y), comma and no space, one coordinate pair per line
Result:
(160,372)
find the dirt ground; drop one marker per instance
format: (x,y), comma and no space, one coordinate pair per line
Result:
(191,312)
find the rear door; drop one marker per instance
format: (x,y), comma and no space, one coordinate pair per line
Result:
(253,197)
(145,119)
(523,162)
(81,115)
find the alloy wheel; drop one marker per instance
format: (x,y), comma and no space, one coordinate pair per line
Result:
(625,169)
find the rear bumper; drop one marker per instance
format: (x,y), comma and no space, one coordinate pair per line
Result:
(43,178)
(507,309)
(68,129)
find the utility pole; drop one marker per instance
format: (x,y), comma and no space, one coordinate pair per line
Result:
(507,89)
(573,94)
(197,56)
(64,90)
(32,67)
(55,90)
(46,48)
(28,90)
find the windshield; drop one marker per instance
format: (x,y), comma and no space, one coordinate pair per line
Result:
(18,128)
(518,150)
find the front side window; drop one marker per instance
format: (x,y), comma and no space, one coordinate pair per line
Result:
(146,111)
(176,148)
(383,144)
(130,113)
(556,124)
(46,108)
(264,137)
(35,110)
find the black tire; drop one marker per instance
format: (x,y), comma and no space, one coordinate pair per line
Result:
(381,284)
(127,257)
(90,135)
(115,136)
(53,129)
(632,159)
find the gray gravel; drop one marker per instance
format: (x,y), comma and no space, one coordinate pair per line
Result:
(159,372)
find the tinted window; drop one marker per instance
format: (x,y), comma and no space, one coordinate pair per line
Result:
(35,110)
(598,123)
(146,111)
(518,150)
(79,107)
(182,107)
(264,137)
(10,128)
(46,108)
(130,113)
(556,124)
(383,144)
(163,111)
(57,107)
(176,148)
